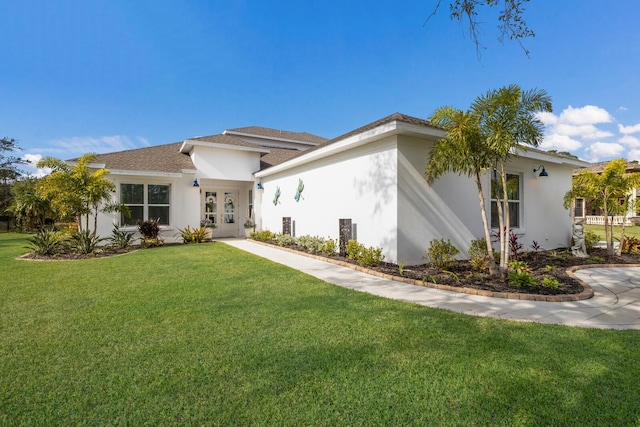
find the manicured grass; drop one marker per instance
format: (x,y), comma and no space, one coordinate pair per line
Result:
(209,335)
(633,231)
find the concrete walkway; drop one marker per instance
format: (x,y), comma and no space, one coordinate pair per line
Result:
(615,305)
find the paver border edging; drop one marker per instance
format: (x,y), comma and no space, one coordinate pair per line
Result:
(586,293)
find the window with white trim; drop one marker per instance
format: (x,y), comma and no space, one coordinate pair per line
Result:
(146,201)
(578,208)
(513,195)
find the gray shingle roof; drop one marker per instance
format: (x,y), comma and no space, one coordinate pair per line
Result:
(633,166)
(159,158)
(277,156)
(226,140)
(281,134)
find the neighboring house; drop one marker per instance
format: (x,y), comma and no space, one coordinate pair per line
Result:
(583,209)
(369,180)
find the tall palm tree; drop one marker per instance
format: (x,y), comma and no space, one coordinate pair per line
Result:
(508,124)
(462,150)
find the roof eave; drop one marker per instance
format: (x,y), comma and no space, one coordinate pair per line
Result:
(273,138)
(188,145)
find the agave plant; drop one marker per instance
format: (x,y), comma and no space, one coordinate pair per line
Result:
(85,242)
(46,242)
(121,239)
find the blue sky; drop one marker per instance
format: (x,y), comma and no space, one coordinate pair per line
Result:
(102,76)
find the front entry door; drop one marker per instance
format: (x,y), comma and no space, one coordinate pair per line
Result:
(221,208)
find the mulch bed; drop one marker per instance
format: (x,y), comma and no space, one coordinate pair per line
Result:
(460,276)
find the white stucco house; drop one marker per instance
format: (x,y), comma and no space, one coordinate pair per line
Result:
(371,177)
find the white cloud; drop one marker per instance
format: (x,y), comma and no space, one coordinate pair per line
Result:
(68,148)
(633,154)
(604,150)
(547,118)
(630,141)
(79,145)
(560,143)
(32,160)
(575,128)
(583,131)
(621,108)
(589,114)
(629,129)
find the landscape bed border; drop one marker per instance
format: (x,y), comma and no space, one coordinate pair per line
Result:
(586,293)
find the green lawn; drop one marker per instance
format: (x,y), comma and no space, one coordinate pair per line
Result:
(633,231)
(209,335)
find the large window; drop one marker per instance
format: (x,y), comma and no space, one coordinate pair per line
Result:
(145,201)
(513,194)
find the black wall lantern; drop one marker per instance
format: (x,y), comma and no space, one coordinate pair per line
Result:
(543,172)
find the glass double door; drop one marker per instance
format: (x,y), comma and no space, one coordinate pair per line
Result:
(220,208)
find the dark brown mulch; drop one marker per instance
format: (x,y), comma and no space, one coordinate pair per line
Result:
(68,255)
(552,264)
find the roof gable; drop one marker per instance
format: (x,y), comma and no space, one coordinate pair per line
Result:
(165,158)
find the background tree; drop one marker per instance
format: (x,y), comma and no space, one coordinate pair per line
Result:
(605,190)
(508,124)
(462,150)
(75,191)
(9,171)
(511,23)
(30,209)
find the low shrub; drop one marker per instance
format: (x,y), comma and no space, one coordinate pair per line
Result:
(311,244)
(85,242)
(369,256)
(149,229)
(354,248)
(46,242)
(121,239)
(329,247)
(264,235)
(194,235)
(631,245)
(520,275)
(514,245)
(478,255)
(591,239)
(441,253)
(549,282)
(285,240)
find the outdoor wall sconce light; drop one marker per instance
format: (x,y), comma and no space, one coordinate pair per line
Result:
(260,187)
(195,183)
(543,172)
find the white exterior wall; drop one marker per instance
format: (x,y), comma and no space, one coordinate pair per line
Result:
(184,204)
(545,218)
(360,184)
(227,164)
(422,213)
(542,214)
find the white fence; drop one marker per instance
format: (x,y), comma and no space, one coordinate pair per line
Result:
(617,220)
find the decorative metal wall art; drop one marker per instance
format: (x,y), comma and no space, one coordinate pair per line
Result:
(276,197)
(299,192)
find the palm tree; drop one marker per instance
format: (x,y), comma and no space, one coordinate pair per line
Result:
(508,124)
(605,190)
(75,190)
(464,151)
